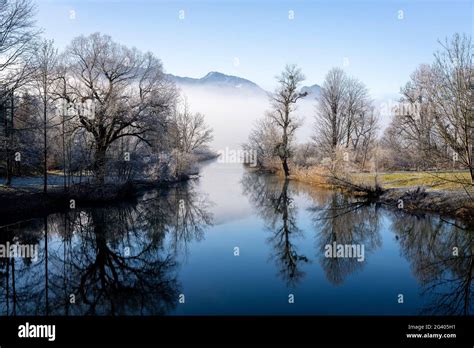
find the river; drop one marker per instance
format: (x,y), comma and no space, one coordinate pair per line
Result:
(233,242)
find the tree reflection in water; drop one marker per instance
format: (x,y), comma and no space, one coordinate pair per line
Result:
(428,243)
(273,200)
(115,260)
(123,259)
(345,220)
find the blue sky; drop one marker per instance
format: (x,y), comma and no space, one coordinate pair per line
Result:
(255,39)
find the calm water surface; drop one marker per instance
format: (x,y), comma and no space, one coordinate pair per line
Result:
(140,258)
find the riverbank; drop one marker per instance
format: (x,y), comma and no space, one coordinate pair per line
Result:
(26,202)
(25,198)
(450,204)
(448,194)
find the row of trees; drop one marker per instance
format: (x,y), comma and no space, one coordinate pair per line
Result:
(431,126)
(97,108)
(345,120)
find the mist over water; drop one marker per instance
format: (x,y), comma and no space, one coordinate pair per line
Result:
(231,113)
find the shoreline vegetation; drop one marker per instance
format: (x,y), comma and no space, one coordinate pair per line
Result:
(29,201)
(423,161)
(412,192)
(104,115)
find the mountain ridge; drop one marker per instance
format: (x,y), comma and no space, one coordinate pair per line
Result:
(221,80)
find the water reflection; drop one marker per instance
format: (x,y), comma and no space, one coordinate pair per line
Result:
(137,258)
(441,257)
(275,204)
(119,260)
(443,273)
(345,221)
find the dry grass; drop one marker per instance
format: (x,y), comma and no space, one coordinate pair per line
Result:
(445,181)
(431,181)
(312,175)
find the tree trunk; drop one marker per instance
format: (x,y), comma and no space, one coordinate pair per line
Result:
(285,152)
(349,126)
(8,180)
(334,127)
(284,162)
(8,142)
(45,147)
(99,164)
(64,153)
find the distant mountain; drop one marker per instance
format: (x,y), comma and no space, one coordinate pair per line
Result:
(228,83)
(313,91)
(218,80)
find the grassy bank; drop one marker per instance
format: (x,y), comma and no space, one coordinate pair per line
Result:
(431,181)
(448,193)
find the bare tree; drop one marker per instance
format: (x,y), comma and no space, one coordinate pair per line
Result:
(345,117)
(189,130)
(6,112)
(262,142)
(365,135)
(453,72)
(45,61)
(357,103)
(127,90)
(413,117)
(283,105)
(16,35)
(188,134)
(330,116)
